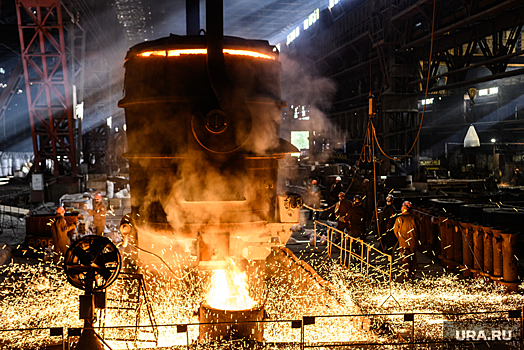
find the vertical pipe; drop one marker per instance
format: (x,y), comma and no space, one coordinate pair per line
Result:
(467,245)
(488,252)
(350,251)
(192,17)
(467,248)
(329,237)
(215,27)
(497,255)
(315,236)
(187,338)
(302,334)
(478,248)
(509,241)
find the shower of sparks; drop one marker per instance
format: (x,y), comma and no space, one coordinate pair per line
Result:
(38,295)
(446,294)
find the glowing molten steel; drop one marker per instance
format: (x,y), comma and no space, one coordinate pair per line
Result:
(175,53)
(228,291)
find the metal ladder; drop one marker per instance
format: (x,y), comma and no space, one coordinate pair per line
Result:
(129,307)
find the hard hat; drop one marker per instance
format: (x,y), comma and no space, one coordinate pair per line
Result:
(365,181)
(98,196)
(389,198)
(60,210)
(407,204)
(357,200)
(338,178)
(341,194)
(314,182)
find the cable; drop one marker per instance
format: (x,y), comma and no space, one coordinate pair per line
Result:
(314,209)
(425,94)
(163,261)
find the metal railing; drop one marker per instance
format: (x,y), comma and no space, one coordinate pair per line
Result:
(416,330)
(362,255)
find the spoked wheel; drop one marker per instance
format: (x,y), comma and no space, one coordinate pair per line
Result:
(95,257)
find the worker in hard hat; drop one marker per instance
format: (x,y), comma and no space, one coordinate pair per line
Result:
(61,233)
(314,200)
(358,219)
(407,229)
(342,214)
(98,213)
(386,222)
(335,189)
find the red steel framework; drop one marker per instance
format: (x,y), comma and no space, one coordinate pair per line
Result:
(47,86)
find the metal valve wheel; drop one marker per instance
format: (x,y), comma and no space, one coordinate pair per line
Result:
(92,258)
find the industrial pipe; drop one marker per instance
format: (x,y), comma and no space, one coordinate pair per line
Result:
(467,247)
(478,249)
(497,255)
(509,242)
(488,252)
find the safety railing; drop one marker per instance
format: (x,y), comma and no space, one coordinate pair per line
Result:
(355,253)
(32,338)
(416,330)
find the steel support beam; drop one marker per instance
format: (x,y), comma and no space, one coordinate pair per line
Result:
(47,85)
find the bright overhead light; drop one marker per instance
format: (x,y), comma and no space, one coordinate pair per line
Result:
(493,140)
(471,139)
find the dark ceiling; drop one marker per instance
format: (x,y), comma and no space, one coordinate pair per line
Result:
(252,19)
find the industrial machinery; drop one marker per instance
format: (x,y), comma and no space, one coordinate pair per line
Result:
(203,122)
(91,264)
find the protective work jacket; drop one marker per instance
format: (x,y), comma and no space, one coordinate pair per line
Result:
(387,218)
(99,214)
(407,229)
(358,219)
(342,210)
(59,230)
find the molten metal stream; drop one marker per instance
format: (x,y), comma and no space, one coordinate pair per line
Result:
(228,291)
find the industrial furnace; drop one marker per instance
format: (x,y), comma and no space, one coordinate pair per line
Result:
(203,123)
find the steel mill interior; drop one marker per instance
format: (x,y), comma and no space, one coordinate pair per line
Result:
(261,174)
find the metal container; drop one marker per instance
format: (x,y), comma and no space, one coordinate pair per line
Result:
(497,254)
(233,324)
(467,247)
(509,242)
(488,252)
(448,205)
(508,218)
(203,126)
(474,212)
(478,248)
